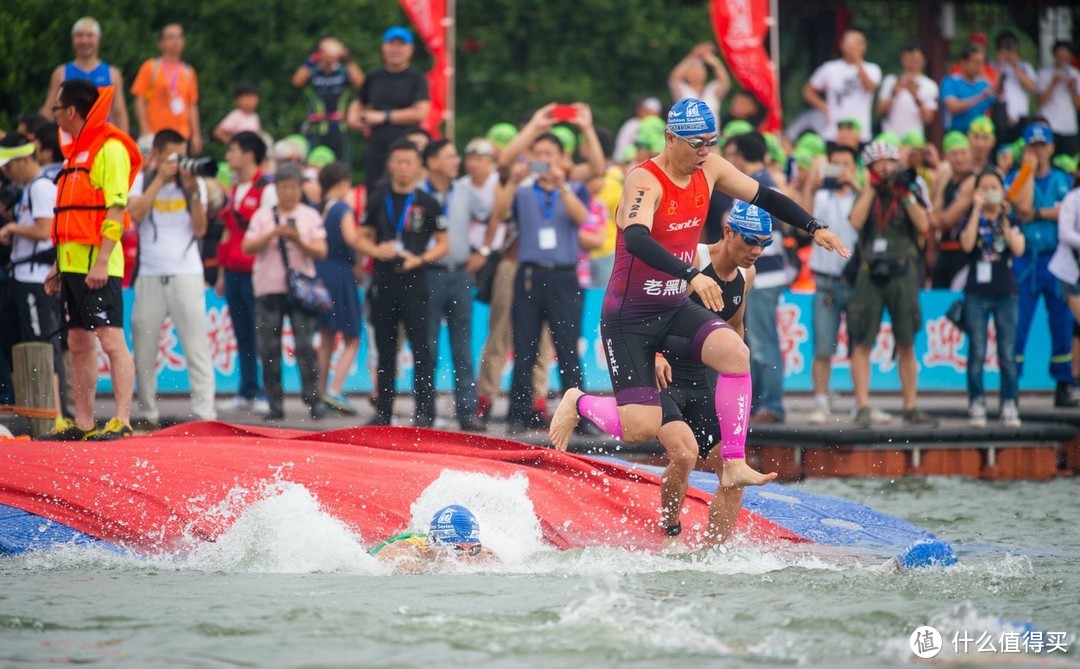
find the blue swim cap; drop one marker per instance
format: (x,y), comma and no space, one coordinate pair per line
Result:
(749,219)
(927,553)
(454,524)
(689,117)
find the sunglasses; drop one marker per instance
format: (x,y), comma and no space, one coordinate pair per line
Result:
(56,108)
(751,240)
(697,143)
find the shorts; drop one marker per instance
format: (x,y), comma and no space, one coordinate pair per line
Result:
(831,299)
(37,314)
(631,345)
(1070,290)
(900,295)
(696,407)
(89,309)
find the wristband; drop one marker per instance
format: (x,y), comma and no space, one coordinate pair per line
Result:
(387,121)
(816,224)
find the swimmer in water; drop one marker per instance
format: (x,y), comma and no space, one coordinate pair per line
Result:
(453,537)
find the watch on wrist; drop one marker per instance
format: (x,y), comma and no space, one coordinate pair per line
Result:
(485,251)
(815,225)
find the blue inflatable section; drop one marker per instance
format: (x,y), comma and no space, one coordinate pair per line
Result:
(824,520)
(21,531)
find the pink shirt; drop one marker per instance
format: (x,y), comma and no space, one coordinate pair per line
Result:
(268,275)
(237,121)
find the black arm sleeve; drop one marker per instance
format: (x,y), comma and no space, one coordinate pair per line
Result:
(640,244)
(783,208)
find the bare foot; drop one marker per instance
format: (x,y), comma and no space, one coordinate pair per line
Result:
(565,419)
(738,474)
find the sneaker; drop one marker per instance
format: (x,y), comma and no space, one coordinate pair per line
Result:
(471,424)
(879,417)
(818,416)
(260,405)
(863,417)
(977,414)
(916,416)
(1010,414)
(64,429)
(318,411)
(377,421)
(1063,396)
(339,403)
(111,431)
(237,403)
(272,415)
(146,424)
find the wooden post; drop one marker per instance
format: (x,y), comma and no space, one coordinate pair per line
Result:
(32,376)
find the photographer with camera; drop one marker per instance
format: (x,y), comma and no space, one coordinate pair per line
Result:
(168,205)
(890,217)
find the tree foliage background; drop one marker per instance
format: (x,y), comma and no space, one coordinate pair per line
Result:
(512,55)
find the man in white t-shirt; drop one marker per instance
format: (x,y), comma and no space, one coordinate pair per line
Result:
(168,204)
(1059,99)
(1015,84)
(908,101)
(36,315)
(845,87)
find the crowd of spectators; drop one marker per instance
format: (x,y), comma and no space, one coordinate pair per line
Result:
(526,218)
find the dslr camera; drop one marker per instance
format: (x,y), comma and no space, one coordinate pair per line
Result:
(200,167)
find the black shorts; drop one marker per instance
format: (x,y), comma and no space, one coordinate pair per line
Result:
(694,406)
(37,314)
(631,346)
(89,309)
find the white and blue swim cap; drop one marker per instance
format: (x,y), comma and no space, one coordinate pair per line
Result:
(689,117)
(749,219)
(454,524)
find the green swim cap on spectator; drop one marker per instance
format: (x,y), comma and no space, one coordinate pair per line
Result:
(736,128)
(653,124)
(321,156)
(981,126)
(954,139)
(224,174)
(852,121)
(1065,163)
(913,139)
(888,138)
(776,151)
(628,154)
(567,136)
(652,141)
(300,141)
(501,134)
(803,158)
(811,142)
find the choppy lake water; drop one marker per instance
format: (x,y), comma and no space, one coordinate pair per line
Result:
(288,586)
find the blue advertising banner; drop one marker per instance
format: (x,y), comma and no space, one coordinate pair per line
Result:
(941,350)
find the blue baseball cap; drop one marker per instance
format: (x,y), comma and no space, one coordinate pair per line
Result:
(398,32)
(454,524)
(1037,132)
(749,219)
(689,117)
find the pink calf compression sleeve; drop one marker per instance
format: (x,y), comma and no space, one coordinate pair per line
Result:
(733,413)
(602,412)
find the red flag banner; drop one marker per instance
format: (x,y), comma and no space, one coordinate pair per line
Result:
(429,18)
(740,27)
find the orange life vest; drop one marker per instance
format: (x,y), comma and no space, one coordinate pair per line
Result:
(80,207)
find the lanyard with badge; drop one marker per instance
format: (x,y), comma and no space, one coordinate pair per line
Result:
(172,80)
(545,200)
(399,220)
(993,244)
